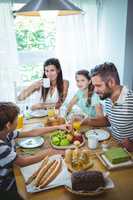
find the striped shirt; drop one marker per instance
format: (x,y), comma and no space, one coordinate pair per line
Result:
(7,157)
(120,115)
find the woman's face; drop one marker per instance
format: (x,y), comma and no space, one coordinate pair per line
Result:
(51,72)
(82,82)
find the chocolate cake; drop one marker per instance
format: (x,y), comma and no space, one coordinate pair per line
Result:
(87,181)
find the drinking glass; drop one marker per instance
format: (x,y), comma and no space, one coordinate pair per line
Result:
(51,111)
(20,122)
(76,125)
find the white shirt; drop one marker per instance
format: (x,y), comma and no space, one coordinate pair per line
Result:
(120,115)
(36,97)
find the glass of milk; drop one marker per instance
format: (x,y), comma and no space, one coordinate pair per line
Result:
(92,141)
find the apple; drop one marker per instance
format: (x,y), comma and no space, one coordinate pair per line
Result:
(78,137)
(76,143)
(77,133)
(69,137)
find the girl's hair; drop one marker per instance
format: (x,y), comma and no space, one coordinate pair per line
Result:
(56,63)
(85,73)
(8,112)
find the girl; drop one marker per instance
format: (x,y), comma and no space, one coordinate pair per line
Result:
(57,91)
(85,98)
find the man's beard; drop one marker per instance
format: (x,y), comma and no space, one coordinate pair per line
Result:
(107,94)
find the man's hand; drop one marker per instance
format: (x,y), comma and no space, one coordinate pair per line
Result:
(85,121)
(128,144)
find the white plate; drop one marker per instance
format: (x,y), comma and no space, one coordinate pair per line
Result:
(100,133)
(111,166)
(39,113)
(33,126)
(31,142)
(60,180)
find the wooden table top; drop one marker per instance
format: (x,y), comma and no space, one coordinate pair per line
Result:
(122,178)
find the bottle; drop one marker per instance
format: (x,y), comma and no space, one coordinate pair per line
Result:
(27,113)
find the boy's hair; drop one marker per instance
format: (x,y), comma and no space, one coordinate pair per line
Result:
(8,113)
(105,71)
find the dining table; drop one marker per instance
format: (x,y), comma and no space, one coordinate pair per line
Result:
(122,177)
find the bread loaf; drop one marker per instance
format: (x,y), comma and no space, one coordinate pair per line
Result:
(54,121)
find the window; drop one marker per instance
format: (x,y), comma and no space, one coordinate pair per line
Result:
(35,43)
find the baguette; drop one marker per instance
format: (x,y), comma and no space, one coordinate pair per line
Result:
(42,172)
(54,172)
(32,177)
(47,174)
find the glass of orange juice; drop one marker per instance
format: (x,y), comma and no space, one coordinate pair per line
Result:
(20,121)
(76,125)
(51,111)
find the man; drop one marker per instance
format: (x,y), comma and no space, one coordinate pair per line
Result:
(118,104)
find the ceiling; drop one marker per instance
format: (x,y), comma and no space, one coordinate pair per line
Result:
(20,1)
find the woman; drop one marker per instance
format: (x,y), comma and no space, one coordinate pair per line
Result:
(55,94)
(85,98)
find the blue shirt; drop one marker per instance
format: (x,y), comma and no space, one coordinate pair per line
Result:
(90,110)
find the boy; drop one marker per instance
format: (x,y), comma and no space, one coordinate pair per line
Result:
(8,156)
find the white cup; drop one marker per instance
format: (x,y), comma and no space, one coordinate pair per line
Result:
(46,82)
(92,141)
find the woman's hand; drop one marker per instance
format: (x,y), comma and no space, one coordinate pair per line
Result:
(38,84)
(29,90)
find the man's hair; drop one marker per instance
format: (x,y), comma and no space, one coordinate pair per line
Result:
(8,113)
(105,71)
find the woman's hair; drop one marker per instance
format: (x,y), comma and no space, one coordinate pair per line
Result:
(56,63)
(85,73)
(8,112)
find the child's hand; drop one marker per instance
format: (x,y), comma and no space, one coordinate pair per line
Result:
(66,127)
(45,152)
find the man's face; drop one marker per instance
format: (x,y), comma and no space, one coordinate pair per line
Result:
(103,89)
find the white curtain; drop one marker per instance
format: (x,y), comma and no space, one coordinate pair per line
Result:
(8,53)
(76,44)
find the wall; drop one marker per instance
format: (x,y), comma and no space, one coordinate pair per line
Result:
(112,31)
(128,63)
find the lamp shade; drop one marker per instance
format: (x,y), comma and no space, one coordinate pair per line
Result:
(64,7)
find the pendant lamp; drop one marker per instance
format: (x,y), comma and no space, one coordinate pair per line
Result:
(64,7)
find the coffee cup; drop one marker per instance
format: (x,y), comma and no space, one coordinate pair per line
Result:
(92,141)
(46,82)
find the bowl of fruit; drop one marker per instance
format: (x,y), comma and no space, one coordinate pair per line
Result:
(63,140)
